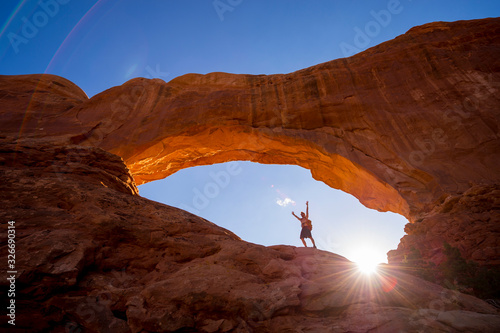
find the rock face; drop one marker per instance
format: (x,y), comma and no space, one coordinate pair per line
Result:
(409,126)
(94,256)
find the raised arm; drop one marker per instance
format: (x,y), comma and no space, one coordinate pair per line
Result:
(298,218)
(307,209)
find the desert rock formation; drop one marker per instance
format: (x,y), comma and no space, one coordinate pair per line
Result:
(409,126)
(94,256)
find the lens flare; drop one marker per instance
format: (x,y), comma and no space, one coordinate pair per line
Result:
(367,260)
(367,267)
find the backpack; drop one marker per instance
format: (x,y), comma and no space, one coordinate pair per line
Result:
(308,224)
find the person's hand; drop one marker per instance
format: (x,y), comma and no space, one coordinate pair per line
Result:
(307,203)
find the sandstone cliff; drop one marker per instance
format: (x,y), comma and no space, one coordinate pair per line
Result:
(409,126)
(93,256)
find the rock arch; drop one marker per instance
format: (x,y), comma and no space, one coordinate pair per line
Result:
(407,126)
(396,125)
(410,125)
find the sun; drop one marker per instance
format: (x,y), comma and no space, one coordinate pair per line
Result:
(367,260)
(367,267)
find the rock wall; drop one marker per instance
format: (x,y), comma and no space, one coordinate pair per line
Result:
(409,126)
(93,256)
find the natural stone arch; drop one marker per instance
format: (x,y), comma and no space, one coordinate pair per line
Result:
(204,138)
(223,144)
(401,126)
(410,125)
(81,221)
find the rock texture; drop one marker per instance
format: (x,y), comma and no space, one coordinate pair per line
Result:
(93,256)
(409,126)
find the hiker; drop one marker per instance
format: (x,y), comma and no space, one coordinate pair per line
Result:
(306,226)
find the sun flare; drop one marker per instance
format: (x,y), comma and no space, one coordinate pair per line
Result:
(367,260)
(367,267)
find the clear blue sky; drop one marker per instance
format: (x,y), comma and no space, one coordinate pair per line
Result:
(100,44)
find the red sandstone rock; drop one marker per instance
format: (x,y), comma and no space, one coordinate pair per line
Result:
(398,126)
(406,126)
(93,255)
(409,126)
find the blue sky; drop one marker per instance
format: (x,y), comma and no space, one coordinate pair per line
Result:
(100,44)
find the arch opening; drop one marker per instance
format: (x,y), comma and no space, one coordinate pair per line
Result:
(211,145)
(255,202)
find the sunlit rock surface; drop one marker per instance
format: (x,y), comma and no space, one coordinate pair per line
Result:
(92,255)
(409,126)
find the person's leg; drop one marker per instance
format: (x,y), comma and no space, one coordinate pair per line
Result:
(303,242)
(314,244)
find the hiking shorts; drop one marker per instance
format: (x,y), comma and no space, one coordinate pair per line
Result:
(305,233)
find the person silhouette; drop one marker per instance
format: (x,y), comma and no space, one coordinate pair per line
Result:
(306,226)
